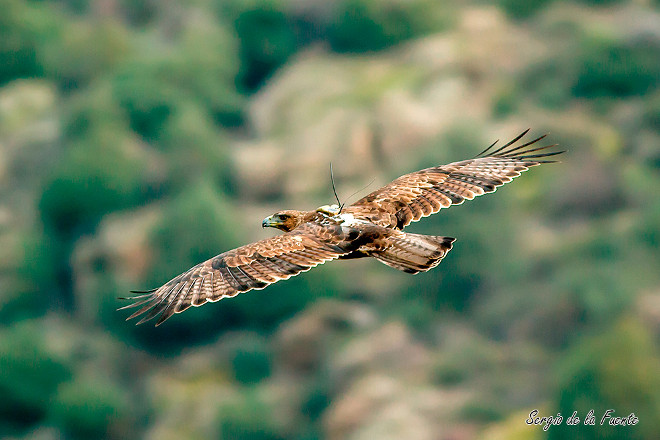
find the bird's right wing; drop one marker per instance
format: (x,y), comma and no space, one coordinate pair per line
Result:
(253,266)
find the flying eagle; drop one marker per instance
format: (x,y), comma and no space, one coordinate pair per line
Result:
(371,227)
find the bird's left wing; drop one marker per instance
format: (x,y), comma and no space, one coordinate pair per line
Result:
(425,192)
(253,266)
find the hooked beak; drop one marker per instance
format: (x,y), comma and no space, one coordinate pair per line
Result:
(269,222)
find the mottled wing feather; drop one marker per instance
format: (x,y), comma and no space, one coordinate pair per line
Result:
(425,192)
(253,266)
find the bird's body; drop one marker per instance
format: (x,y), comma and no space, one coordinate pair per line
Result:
(371,227)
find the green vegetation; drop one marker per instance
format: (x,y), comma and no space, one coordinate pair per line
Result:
(369,25)
(617,370)
(139,138)
(523,9)
(267,39)
(90,408)
(251,363)
(30,374)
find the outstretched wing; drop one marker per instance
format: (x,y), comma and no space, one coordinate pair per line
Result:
(253,266)
(425,192)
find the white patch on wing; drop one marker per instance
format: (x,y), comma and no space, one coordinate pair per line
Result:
(350,220)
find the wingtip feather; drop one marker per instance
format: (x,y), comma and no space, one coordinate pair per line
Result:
(519,152)
(487,148)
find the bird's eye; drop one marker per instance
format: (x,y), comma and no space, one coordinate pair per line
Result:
(283,216)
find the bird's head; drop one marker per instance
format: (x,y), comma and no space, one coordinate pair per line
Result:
(285,220)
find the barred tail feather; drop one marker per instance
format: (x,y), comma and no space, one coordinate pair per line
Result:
(414,253)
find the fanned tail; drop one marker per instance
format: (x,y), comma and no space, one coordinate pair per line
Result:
(414,253)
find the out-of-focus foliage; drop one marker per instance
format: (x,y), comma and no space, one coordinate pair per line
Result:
(618,68)
(250,418)
(90,408)
(272,31)
(618,370)
(139,138)
(267,39)
(522,9)
(251,361)
(24,29)
(368,25)
(91,179)
(30,375)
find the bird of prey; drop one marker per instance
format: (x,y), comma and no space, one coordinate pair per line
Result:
(371,227)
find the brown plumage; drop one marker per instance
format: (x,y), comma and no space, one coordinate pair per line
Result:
(372,226)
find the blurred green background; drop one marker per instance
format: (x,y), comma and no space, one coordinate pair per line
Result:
(139,137)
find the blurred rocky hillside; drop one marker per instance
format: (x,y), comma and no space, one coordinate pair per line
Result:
(138,138)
